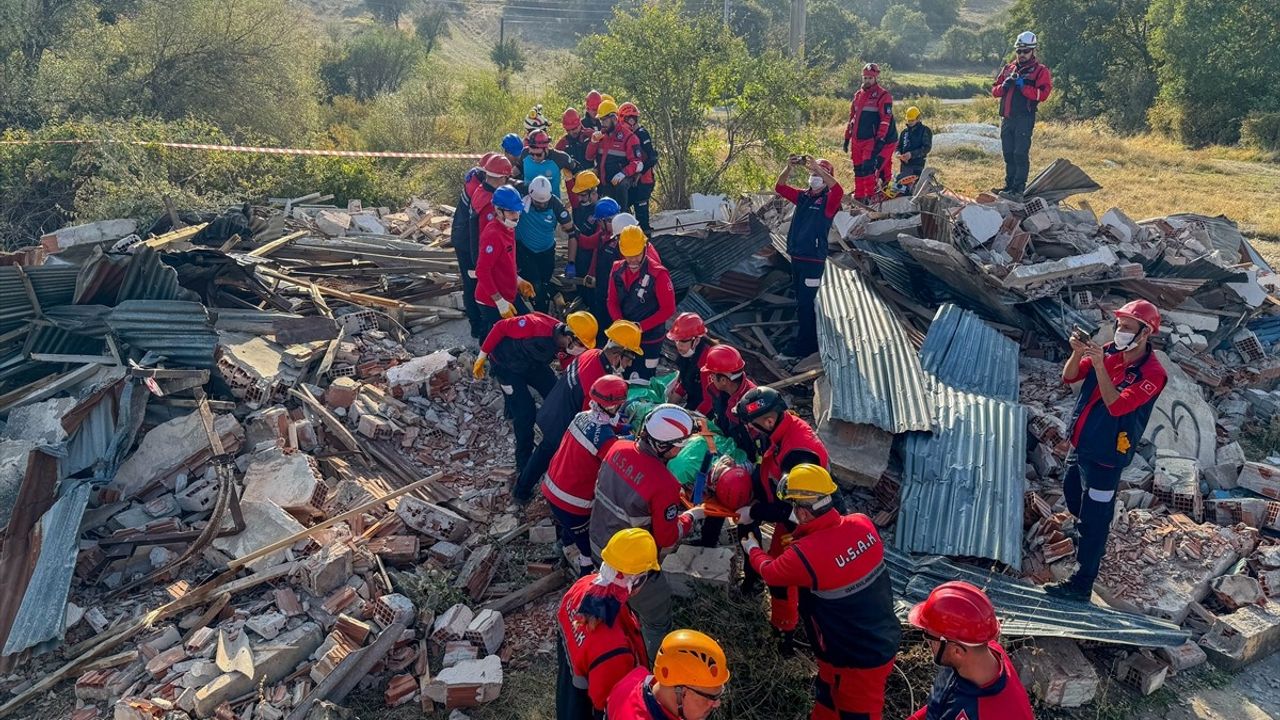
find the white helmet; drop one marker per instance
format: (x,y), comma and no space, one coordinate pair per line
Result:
(622,221)
(1026,40)
(668,423)
(540,189)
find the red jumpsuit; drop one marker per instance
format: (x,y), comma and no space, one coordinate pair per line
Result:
(632,699)
(598,654)
(846,599)
(871,134)
(496,264)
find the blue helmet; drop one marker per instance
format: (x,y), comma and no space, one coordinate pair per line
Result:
(512,144)
(606,208)
(506,198)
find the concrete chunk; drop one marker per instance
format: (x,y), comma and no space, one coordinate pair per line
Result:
(432,520)
(467,684)
(690,565)
(272,661)
(87,234)
(1248,634)
(177,446)
(1085,265)
(290,480)
(1055,671)
(264,524)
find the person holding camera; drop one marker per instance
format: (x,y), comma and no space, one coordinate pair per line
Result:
(816,206)
(1021,86)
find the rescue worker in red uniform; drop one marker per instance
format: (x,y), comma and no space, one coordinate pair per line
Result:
(691,388)
(497,172)
(687,683)
(570,483)
(635,489)
(727,382)
(497,283)
(616,152)
(600,640)
(975,680)
(816,206)
(591,118)
(570,396)
(640,290)
(518,352)
(460,238)
(846,598)
(574,144)
(785,441)
(1119,385)
(1021,86)
(642,190)
(871,135)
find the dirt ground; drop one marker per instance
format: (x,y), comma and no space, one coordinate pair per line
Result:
(1253,694)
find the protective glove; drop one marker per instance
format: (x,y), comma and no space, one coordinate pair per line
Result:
(697,512)
(1009,81)
(472,274)
(846,144)
(1021,82)
(525,287)
(570,270)
(619,178)
(748,544)
(744,515)
(597,136)
(478,370)
(506,309)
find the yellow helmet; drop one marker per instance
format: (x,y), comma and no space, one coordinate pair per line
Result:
(609,98)
(632,241)
(607,107)
(913,112)
(688,657)
(627,334)
(585,180)
(631,551)
(583,325)
(806,484)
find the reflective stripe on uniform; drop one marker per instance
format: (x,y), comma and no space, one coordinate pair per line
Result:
(850,589)
(582,439)
(1102,496)
(813,282)
(564,496)
(641,521)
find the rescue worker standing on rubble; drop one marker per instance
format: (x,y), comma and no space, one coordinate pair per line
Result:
(570,483)
(689,335)
(571,395)
(687,683)
(600,641)
(616,151)
(540,159)
(1119,385)
(846,598)
(871,134)
(975,678)
(727,382)
(1021,86)
(574,144)
(640,290)
(497,282)
(513,149)
(816,206)
(914,145)
(635,489)
(459,237)
(785,441)
(536,238)
(518,352)
(640,193)
(591,107)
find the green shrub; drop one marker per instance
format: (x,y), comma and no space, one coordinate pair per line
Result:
(1262,130)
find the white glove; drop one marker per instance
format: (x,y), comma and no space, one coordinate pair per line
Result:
(504,308)
(696,512)
(619,178)
(472,274)
(749,543)
(744,515)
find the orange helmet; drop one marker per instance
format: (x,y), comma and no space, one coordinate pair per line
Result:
(688,657)
(628,110)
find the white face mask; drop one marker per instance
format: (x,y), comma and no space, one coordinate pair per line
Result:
(689,352)
(816,182)
(511,223)
(1124,340)
(576,349)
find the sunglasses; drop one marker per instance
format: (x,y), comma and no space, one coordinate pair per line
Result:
(710,697)
(1024,51)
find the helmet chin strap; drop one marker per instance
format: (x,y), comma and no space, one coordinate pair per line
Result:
(942,647)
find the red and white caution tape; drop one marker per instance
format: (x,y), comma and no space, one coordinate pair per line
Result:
(260,150)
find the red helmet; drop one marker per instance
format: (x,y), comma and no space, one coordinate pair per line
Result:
(871,70)
(539,139)
(484,159)
(1142,311)
(571,120)
(733,487)
(826,165)
(686,326)
(498,165)
(959,612)
(628,110)
(723,360)
(609,390)
(593,100)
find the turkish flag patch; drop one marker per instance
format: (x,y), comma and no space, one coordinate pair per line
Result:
(1148,387)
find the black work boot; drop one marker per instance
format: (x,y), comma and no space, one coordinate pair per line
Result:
(1068,590)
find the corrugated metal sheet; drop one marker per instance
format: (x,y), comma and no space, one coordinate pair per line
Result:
(54,285)
(1267,328)
(180,331)
(1059,317)
(876,377)
(112,278)
(704,257)
(968,354)
(1059,181)
(695,303)
(1026,610)
(42,615)
(962,485)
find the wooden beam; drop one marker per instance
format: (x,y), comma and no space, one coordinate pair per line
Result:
(174,236)
(528,593)
(797,379)
(278,243)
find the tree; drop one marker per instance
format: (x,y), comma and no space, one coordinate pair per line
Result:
(909,33)
(679,68)
(509,57)
(432,26)
(388,11)
(832,34)
(959,46)
(374,62)
(1217,62)
(941,15)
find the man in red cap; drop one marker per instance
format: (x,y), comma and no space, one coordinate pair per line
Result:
(871,134)
(727,382)
(1121,381)
(816,207)
(591,118)
(976,680)
(689,334)
(574,144)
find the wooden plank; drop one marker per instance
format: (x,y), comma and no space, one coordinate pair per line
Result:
(349,672)
(797,379)
(74,359)
(45,388)
(174,236)
(528,593)
(278,243)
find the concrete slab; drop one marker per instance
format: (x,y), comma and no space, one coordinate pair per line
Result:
(690,566)
(1056,672)
(272,660)
(1181,420)
(264,524)
(290,480)
(467,684)
(1248,634)
(89,233)
(174,447)
(1084,265)
(39,422)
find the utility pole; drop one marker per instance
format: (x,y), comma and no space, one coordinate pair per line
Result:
(796,44)
(502,29)
(726,12)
